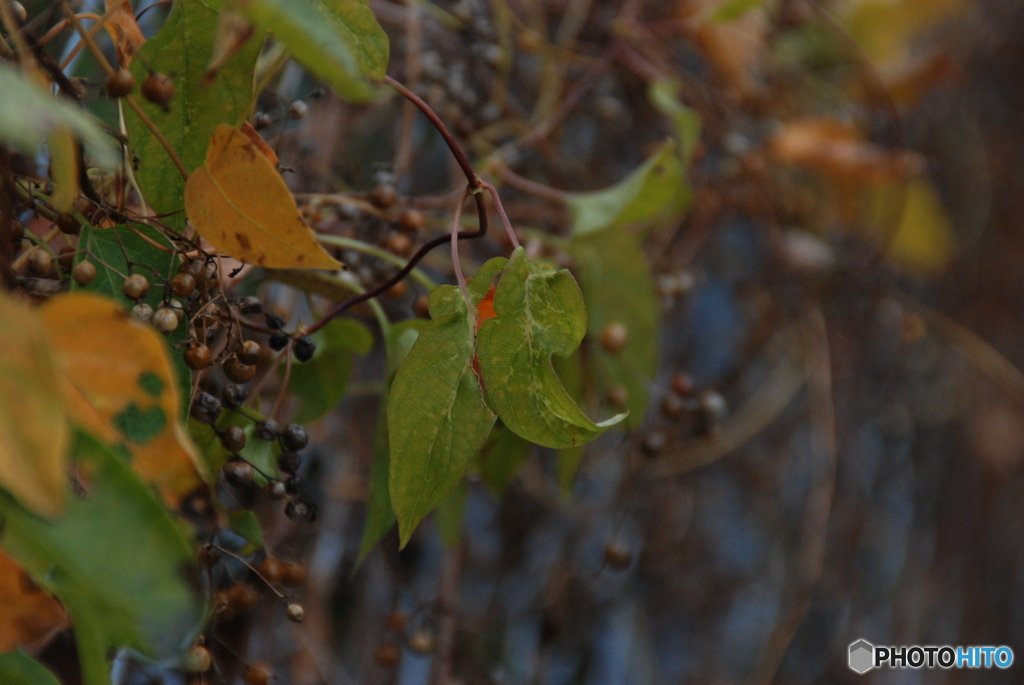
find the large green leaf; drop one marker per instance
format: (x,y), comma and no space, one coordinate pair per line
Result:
(617,287)
(116,559)
(437,417)
(656,189)
(181,50)
(319,384)
(18,668)
(28,113)
(339,41)
(540,313)
(664,95)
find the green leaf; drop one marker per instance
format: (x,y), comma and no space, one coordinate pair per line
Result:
(617,287)
(568,459)
(339,41)
(540,313)
(181,49)
(731,10)
(319,384)
(399,340)
(116,559)
(656,189)
(501,458)
(262,454)
(450,514)
(664,95)
(28,113)
(18,668)
(110,250)
(437,417)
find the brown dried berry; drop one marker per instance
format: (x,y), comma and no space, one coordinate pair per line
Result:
(135,286)
(422,641)
(205,408)
(66,257)
(618,395)
(257,674)
(238,372)
(84,273)
(165,320)
(672,406)
(238,472)
(183,284)
(653,442)
(384,196)
(197,357)
(158,89)
(277,490)
(614,337)
(294,437)
(196,660)
(233,439)
(682,384)
(399,244)
(398,290)
(295,613)
(272,570)
(68,223)
(249,352)
(387,655)
(410,220)
(293,574)
(142,313)
(617,557)
(119,83)
(298,110)
(39,261)
(421,307)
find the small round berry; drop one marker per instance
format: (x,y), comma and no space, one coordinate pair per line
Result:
(296,510)
(293,574)
(713,405)
(411,220)
(384,195)
(683,384)
(233,439)
(209,555)
(249,352)
(617,557)
(183,284)
(119,83)
(422,641)
(205,408)
(238,473)
(39,261)
(278,341)
(68,224)
(158,89)
(242,597)
(197,356)
(653,442)
(614,337)
(266,429)
(177,307)
(294,437)
(274,321)
(193,267)
(395,622)
(398,290)
(399,244)
(298,110)
(196,660)
(387,655)
(277,490)
(135,286)
(66,258)
(250,305)
(421,307)
(257,674)
(618,395)
(238,372)
(672,406)
(271,569)
(165,320)
(142,313)
(83,273)
(234,396)
(304,348)
(295,613)
(19,11)
(289,462)
(262,120)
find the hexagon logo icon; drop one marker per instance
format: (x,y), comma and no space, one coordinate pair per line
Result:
(862,656)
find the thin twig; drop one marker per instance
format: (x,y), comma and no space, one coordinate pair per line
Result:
(501,213)
(455,250)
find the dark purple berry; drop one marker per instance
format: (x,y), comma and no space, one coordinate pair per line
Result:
(304,349)
(233,396)
(294,437)
(205,408)
(278,341)
(289,462)
(273,320)
(266,429)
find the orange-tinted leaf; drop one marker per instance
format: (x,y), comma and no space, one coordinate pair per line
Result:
(485,310)
(33,431)
(119,384)
(261,144)
(123,30)
(241,205)
(836,148)
(29,616)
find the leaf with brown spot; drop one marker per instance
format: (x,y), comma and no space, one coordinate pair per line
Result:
(129,396)
(124,30)
(29,616)
(241,205)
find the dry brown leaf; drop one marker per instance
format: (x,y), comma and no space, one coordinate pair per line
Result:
(29,616)
(123,30)
(836,148)
(241,205)
(33,430)
(119,384)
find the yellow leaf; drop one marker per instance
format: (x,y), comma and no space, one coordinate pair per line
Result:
(119,384)
(924,241)
(63,168)
(240,204)
(29,616)
(33,433)
(123,30)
